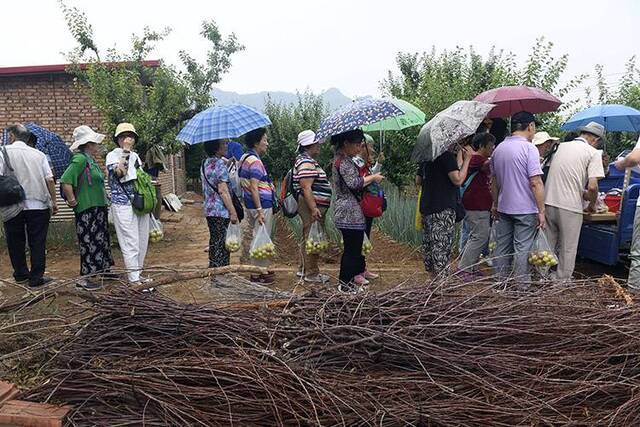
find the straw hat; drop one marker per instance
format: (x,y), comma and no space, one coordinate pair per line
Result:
(541,137)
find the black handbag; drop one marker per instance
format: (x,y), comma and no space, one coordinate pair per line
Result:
(11,192)
(235,200)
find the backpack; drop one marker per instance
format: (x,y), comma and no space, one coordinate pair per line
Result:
(144,189)
(288,196)
(11,192)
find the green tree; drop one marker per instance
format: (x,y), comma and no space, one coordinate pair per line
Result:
(433,81)
(625,92)
(287,121)
(156,100)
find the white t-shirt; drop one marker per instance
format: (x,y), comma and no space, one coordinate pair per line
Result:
(113,158)
(571,167)
(32,171)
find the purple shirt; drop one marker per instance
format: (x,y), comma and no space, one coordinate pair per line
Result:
(513,162)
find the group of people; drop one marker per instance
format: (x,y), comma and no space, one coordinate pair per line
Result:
(352,172)
(83,189)
(525,185)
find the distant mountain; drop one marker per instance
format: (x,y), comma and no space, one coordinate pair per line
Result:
(332,97)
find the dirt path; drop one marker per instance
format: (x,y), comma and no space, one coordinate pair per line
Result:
(184,247)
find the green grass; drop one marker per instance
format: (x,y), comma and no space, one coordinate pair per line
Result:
(61,235)
(398,220)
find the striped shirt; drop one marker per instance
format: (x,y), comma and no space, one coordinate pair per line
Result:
(321,188)
(251,166)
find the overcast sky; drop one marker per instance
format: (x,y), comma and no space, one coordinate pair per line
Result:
(348,44)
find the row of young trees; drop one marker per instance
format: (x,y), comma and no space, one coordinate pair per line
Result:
(159,100)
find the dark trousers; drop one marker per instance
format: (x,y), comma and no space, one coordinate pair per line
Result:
(218,254)
(32,225)
(369,224)
(352,262)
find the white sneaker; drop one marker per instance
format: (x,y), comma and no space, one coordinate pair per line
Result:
(360,280)
(350,288)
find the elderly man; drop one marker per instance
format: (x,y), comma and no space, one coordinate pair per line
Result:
(518,197)
(34,175)
(576,165)
(633,283)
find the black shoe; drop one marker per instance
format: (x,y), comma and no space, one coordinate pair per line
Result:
(88,285)
(40,283)
(22,281)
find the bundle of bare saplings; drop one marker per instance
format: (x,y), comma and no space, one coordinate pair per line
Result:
(438,354)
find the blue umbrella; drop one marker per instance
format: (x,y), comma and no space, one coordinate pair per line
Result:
(613,117)
(359,113)
(222,122)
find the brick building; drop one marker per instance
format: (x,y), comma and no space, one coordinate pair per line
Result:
(50,97)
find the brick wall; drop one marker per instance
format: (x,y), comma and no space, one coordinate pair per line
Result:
(56,102)
(51,100)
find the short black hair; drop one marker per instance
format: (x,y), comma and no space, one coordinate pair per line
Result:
(212,147)
(356,135)
(570,136)
(251,139)
(518,126)
(482,139)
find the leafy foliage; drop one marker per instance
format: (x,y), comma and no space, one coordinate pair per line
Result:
(287,121)
(433,81)
(157,100)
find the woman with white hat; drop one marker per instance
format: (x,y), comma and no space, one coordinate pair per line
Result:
(83,188)
(132,228)
(311,184)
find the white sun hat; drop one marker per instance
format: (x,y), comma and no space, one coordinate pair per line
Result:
(83,134)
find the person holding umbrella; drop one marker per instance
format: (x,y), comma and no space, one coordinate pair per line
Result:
(348,215)
(518,197)
(439,180)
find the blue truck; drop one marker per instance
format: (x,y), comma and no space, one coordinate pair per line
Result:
(608,243)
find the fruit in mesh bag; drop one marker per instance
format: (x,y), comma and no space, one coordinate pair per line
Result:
(543,259)
(232,245)
(366,248)
(493,245)
(155,236)
(263,252)
(316,246)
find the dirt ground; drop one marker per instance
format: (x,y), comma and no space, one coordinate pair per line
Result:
(185,247)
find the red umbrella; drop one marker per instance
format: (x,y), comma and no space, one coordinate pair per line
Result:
(513,99)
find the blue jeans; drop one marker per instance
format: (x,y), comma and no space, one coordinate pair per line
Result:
(514,237)
(465,230)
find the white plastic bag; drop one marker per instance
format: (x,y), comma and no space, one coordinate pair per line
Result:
(233,237)
(156,230)
(234,178)
(542,256)
(316,240)
(366,246)
(262,248)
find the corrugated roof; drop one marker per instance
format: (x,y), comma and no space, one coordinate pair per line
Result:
(56,68)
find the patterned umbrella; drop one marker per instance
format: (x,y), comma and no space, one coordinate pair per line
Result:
(355,115)
(513,99)
(53,146)
(411,116)
(50,144)
(222,122)
(448,127)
